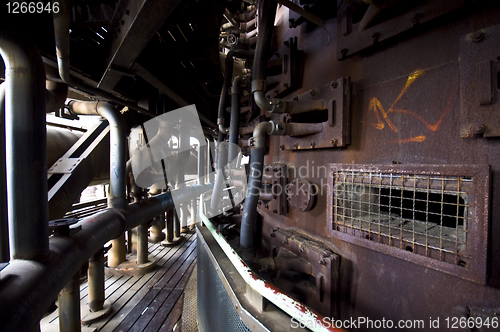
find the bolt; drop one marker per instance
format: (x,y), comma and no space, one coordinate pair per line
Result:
(127,12)
(282,147)
(375,37)
(268,169)
(301,250)
(344,52)
(305,203)
(477,128)
(415,19)
(477,37)
(275,211)
(334,85)
(272,234)
(285,85)
(295,145)
(333,141)
(285,241)
(268,96)
(275,169)
(313,144)
(312,92)
(322,261)
(295,98)
(267,206)
(286,43)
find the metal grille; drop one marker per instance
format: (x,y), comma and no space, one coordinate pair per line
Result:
(429,215)
(215,309)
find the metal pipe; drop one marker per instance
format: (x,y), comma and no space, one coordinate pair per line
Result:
(96,281)
(220,178)
(142,243)
(69,306)
(169,226)
(229,63)
(194,211)
(236,92)
(23,302)
(158,221)
(56,95)
(117,164)
(255,182)
(201,164)
(183,218)
(4,221)
(176,225)
(262,52)
(26,156)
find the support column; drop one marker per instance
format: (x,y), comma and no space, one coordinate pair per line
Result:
(194,213)
(173,236)
(69,306)
(98,308)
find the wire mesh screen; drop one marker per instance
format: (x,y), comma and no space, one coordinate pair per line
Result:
(429,215)
(215,310)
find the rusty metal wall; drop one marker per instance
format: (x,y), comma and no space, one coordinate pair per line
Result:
(406,109)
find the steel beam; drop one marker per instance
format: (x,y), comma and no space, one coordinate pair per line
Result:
(141,21)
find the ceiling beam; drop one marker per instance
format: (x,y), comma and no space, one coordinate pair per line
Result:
(139,23)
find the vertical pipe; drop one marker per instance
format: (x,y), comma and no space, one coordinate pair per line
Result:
(194,211)
(69,306)
(184,213)
(234,128)
(26,156)
(4,221)
(202,155)
(117,165)
(96,281)
(177,225)
(159,221)
(142,243)
(169,226)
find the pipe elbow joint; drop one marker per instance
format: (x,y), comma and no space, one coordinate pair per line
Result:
(273,105)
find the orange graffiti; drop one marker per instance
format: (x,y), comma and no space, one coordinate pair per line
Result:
(420,138)
(382,115)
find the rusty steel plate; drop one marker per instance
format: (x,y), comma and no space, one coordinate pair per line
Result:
(336,119)
(479,83)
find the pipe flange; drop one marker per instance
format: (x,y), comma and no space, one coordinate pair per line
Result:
(279,128)
(277,105)
(258,85)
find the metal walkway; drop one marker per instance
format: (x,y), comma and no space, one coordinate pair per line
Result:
(152,302)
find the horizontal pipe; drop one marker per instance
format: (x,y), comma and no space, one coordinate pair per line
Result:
(303,129)
(23,302)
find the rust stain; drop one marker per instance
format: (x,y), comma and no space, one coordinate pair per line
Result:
(382,115)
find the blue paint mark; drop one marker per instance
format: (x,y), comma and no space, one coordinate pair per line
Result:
(165,200)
